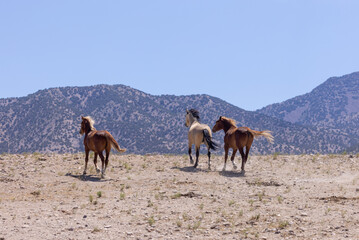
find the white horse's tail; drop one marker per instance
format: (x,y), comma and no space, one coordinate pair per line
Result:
(207,137)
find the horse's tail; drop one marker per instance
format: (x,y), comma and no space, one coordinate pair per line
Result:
(267,134)
(114,144)
(207,137)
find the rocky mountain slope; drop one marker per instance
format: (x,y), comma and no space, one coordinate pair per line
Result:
(49,120)
(333,104)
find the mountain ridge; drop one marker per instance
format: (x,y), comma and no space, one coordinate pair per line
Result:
(333,104)
(49,119)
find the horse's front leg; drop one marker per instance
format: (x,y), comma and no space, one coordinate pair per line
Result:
(226,149)
(95,162)
(232,158)
(197,155)
(86,160)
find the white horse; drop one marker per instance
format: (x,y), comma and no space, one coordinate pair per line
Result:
(198,133)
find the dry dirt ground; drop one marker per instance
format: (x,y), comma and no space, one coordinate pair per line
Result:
(163,197)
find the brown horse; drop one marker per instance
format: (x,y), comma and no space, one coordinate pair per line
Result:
(237,138)
(97,141)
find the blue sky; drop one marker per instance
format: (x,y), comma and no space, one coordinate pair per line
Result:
(248,53)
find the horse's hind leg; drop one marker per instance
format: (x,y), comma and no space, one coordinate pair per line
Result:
(226,149)
(86,160)
(243,159)
(106,160)
(197,155)
(209,159)
(102,163)
(95,162)
(190,154)
(232,158)
(248,147)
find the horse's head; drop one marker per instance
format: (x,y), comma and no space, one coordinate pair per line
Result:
(219,125)
(86,125)
(191,116)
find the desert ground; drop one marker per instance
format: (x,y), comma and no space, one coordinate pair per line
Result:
(45,196)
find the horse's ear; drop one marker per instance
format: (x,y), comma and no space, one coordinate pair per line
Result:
(82,117)
(220,118)
(187,111)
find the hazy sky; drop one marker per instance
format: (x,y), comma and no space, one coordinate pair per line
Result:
(249,53)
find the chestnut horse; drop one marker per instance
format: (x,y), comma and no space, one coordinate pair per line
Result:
(198,133)
(237,138)
(97,141)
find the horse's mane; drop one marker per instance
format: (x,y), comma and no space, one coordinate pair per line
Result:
(194,113)
(229,121)
(91,122)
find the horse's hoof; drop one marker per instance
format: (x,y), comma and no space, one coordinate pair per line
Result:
(235,167)
(98,170)
(191,161)
(195,166)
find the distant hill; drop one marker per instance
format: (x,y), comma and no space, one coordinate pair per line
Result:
(333,104)
(49,120)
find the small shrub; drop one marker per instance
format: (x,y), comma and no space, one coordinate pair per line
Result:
(127,166)
(36,193)
(149,203)
(177,195)
(232,202)
(176,164)
(327,211)
(240,213)
(99,194)
(260,196)
(196,225)
(283,224)
(151,221)
(255,217)
(91,198)
(122,196)
(185,217)
(179,223)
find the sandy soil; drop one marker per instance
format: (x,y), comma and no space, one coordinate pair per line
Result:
(162,197)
